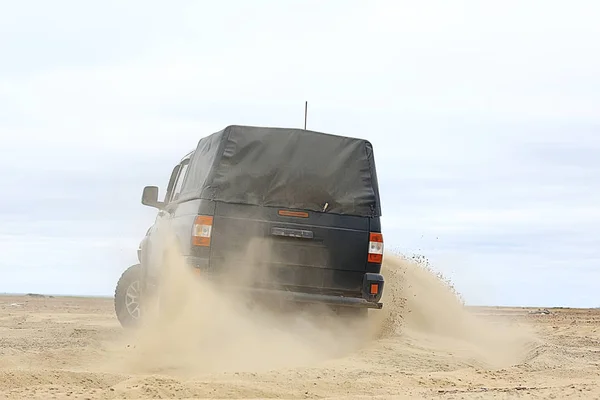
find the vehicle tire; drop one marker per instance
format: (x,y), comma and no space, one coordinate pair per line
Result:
(127,297)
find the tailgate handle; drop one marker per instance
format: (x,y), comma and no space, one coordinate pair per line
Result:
(293,233)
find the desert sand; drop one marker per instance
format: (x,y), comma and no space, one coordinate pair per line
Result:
(423,344)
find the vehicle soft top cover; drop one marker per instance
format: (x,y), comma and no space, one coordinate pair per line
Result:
(288,168)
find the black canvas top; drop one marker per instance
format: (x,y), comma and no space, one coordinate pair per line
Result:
(280,167)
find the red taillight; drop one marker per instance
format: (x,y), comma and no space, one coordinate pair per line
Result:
(376,248)
(202,230)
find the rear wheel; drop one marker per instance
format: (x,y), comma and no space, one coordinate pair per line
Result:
(127,301)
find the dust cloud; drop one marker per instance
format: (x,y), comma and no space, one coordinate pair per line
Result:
(208,327)
(426,308)
(205,328)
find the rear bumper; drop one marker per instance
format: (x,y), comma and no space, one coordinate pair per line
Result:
(315,298)
(368,299)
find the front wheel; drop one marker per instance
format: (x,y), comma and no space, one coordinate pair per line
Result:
(127,299)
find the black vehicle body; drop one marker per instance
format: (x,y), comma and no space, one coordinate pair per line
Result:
(307,202)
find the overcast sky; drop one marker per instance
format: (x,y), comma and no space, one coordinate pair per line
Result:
(484,116)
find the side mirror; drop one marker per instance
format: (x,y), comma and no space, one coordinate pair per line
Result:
(150,197)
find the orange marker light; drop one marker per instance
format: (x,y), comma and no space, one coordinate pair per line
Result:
(297,214)
(374,288)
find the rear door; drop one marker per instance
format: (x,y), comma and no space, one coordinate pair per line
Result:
(273,247)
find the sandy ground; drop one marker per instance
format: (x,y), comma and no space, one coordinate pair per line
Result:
(424,345)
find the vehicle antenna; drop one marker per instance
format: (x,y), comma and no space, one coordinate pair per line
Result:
(305,113)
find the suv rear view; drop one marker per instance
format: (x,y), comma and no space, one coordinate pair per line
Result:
(296,212)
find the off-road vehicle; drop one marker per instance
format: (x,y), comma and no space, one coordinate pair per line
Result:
(312,198)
